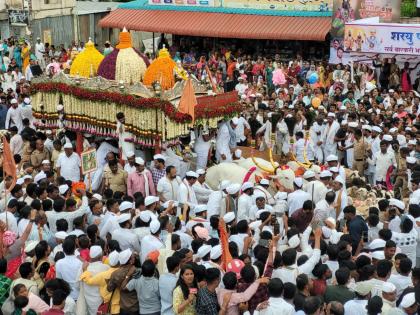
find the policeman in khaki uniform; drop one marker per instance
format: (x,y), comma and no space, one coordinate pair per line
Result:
(39,154)
(401,183)
(116,179)
(360,148)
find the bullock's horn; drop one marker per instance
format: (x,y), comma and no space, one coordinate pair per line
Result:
(262,167)
(270,154)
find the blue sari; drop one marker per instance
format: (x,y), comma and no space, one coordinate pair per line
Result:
(17,54)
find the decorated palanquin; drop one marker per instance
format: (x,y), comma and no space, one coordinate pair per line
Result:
(149,99)
(91,105)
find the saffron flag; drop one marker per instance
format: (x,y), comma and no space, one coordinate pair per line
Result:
(226,256)
(9,165)
(188,100)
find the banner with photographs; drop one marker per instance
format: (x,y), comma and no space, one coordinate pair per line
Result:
(346,11)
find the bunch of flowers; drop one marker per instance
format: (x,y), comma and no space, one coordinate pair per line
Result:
(87,62)
(124,63)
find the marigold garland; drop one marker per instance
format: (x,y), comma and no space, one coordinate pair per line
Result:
(161,70)
(87,62)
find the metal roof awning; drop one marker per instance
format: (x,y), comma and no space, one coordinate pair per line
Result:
(221,25)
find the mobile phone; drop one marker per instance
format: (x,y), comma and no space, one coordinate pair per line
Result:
(263,242)
(193,290)
(276,228)
(365,236)
(172,219)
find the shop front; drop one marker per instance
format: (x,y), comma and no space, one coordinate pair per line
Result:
(286,27)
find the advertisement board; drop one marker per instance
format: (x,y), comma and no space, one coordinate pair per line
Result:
(281,5)
(196,3)
(403,39)
(350,10)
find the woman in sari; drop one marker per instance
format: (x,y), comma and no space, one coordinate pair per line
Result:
(26,53)
(17,55)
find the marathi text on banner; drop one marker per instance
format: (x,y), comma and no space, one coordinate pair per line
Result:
(383,38)
(183,3)
(281,5)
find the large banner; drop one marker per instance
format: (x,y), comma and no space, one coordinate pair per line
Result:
(346,11)
(403,39)
(281,5)
(195,3)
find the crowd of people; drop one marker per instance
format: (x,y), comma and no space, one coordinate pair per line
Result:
(149,235)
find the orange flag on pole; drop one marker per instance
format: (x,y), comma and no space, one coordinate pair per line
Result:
(9,165)
(188,101)
(224,242)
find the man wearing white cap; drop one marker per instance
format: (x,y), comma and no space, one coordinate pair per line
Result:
(262,187)
(332,161)
(201,141)
(128,301)
(409,304)
(91,293)
(338,186)
(242,127)
(245,201)
(230,201)
(315,135)
(241,87)
(282,136)
(16,142)
(315,188)
(186,194)
(200,212)
(123,145)
(225,137)
(45,167)
(296,199)
(168,185)
(152,241)
(151,204)
(201,189)
(303,147)
(260,204)
(141,180)
(265,132)
(13,116)
(215,199)
(328,141)
(389,297)
(68,164)
(382,161)
(124,235)
(130,166)
(101,279)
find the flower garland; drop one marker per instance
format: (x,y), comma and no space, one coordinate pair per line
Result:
(91,99)
(87,62)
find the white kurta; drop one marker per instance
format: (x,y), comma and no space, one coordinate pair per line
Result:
(91,292)
(244,205)
(149,243)
(222,143)
(186,194)
(202,192)
(14,118)
(296,199)
(330,146)
(315,135)
(202,148)
(266,139)
(350,152)
(122,143)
